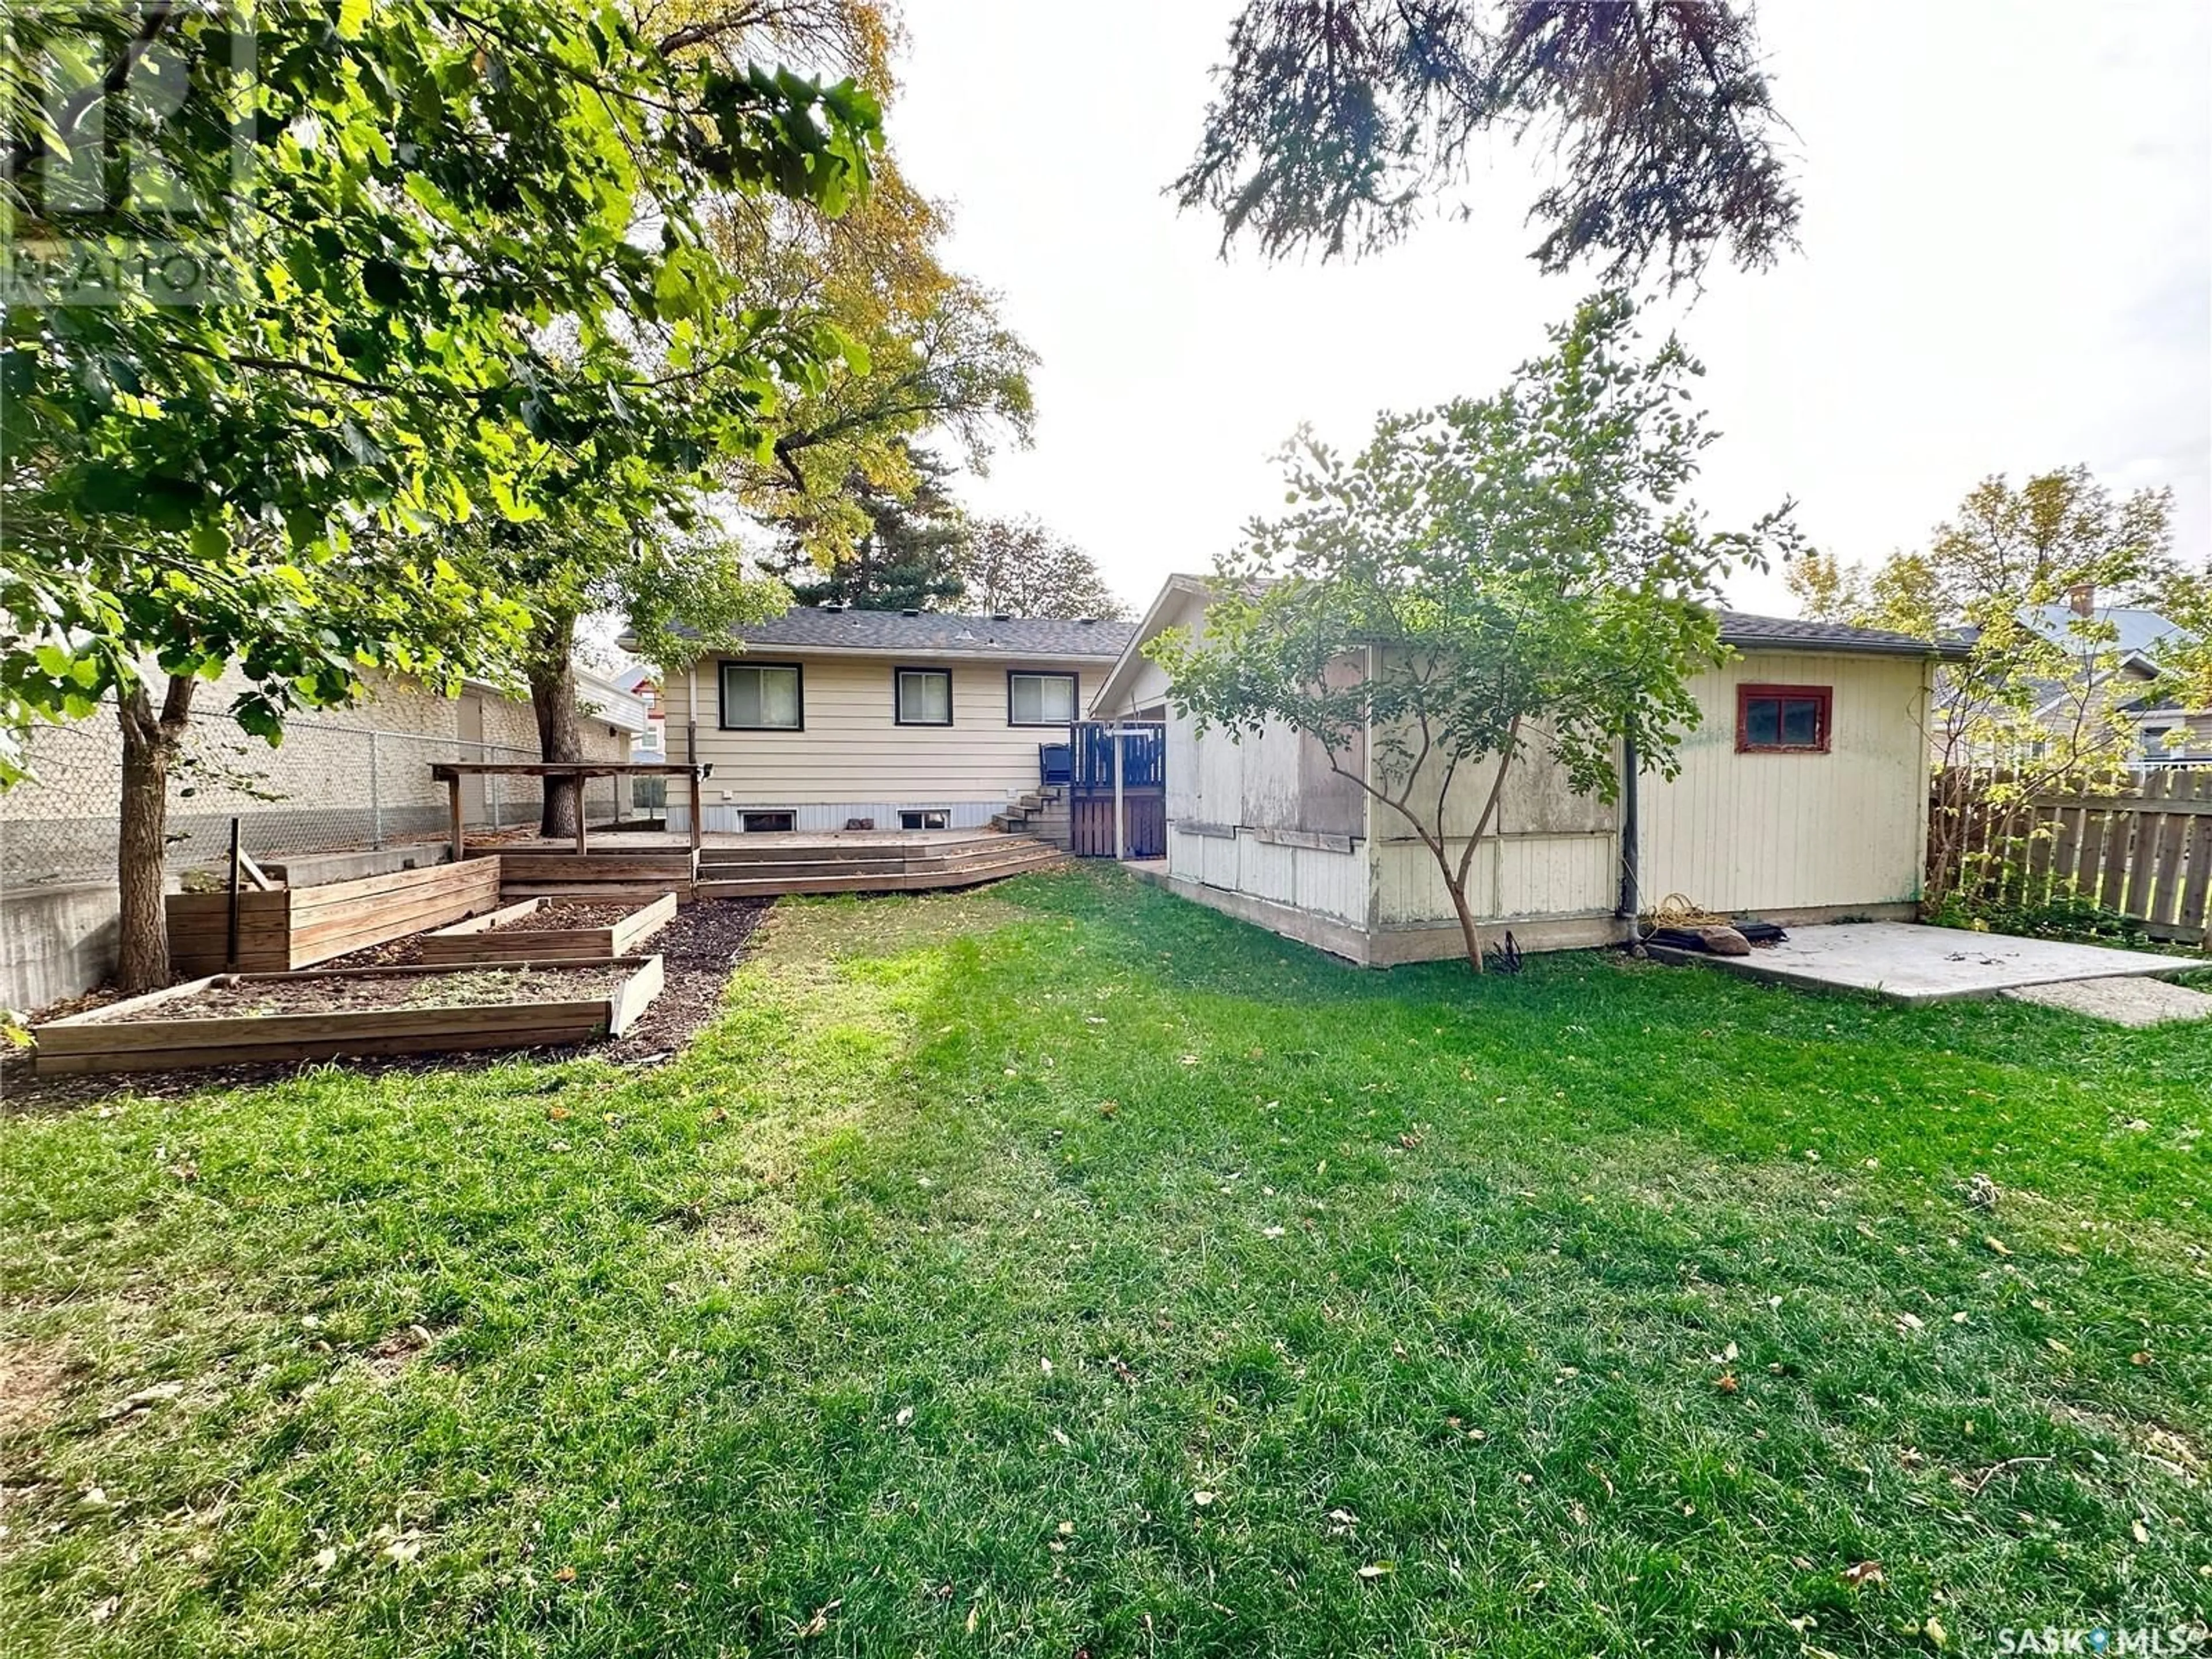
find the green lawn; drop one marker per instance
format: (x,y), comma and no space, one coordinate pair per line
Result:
(1068,1270)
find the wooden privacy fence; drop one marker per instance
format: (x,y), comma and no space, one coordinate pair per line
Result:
(2145,851)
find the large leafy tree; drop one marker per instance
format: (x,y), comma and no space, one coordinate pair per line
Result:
(1337,123)
(916,347)
(1019,567)
(2030,705)
(933,354)
(1517,573)
(466,273)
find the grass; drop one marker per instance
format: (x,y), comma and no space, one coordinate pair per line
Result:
(1070,1271)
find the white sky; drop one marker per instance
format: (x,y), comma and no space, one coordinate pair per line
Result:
(2007,267)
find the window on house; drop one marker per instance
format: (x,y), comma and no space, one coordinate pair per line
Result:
(761,697)
(1787,718)
(1040,699)
(924,696)
(766,823)
(925,817)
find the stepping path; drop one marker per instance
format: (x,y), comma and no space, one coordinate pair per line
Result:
(2124,1001)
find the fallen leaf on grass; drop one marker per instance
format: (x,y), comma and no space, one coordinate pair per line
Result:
(820,1621)
(566,1575)
(1377,1570)
(905,1416)
(1726,1382)
(1997,1244)
(1203,1499)
(2142,1531)
(1866,1573)
(557,1114)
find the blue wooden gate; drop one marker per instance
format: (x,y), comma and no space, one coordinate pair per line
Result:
(1143,759)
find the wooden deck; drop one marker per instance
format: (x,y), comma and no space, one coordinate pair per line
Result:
(621,863)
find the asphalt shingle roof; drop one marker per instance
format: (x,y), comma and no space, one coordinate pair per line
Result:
(1750,632)
(936,634)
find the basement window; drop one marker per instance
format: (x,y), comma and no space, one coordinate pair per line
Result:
(1783,719)
(768,824)
(925,817)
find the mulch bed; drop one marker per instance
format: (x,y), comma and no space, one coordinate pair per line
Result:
(699,950)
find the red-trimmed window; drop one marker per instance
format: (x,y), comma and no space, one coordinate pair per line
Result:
(1783,719)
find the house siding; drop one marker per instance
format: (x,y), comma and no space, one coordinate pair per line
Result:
(852,759)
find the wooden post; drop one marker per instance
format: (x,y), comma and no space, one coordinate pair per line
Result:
(454,801)
(578,777)
(230,943)
(696,795)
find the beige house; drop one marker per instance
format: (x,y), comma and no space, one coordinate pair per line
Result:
(830,718)
(1803,795)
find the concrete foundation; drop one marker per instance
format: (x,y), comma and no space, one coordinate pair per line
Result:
(56,942)
(1915,964)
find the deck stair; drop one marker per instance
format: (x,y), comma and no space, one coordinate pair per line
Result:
(882,864)
(609,872)
(1041,812)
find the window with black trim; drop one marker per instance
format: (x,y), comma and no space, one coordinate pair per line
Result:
(1782,719)
(922,696)
(768,824)
(1040,699)
(762,696)
(925,817)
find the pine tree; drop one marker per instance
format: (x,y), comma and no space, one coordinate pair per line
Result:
(904,562)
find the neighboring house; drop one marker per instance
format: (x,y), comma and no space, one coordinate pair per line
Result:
(1802,796)
(2119,645)
(650,745)
(900,719)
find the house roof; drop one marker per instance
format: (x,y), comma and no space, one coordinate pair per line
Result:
(1739,628)
(2135,629)
(1748,633)
(936,634)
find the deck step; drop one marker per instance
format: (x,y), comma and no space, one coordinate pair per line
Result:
(1035,855)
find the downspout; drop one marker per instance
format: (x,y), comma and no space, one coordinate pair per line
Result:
(691,714)
(1631,904)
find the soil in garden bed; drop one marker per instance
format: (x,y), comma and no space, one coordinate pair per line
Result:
(557,915)
(335,993)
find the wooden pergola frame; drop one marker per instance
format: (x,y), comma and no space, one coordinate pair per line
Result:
(451,773)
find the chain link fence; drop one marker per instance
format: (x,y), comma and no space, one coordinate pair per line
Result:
(327,787)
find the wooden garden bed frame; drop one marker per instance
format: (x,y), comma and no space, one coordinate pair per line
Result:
(480,939)
(291,927)
(99,1042)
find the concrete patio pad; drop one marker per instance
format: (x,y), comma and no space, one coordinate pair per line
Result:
(1912,963)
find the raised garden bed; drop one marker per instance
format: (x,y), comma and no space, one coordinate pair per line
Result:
(551,930)
(231,1019)
(297,926)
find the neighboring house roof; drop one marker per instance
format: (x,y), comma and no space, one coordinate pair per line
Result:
(937,634)
(610,703)
(2135,631)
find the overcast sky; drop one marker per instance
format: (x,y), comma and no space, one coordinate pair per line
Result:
(2007,267)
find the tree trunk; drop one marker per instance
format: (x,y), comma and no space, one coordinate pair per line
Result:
(150,743)
(560,738)
(1467,928)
